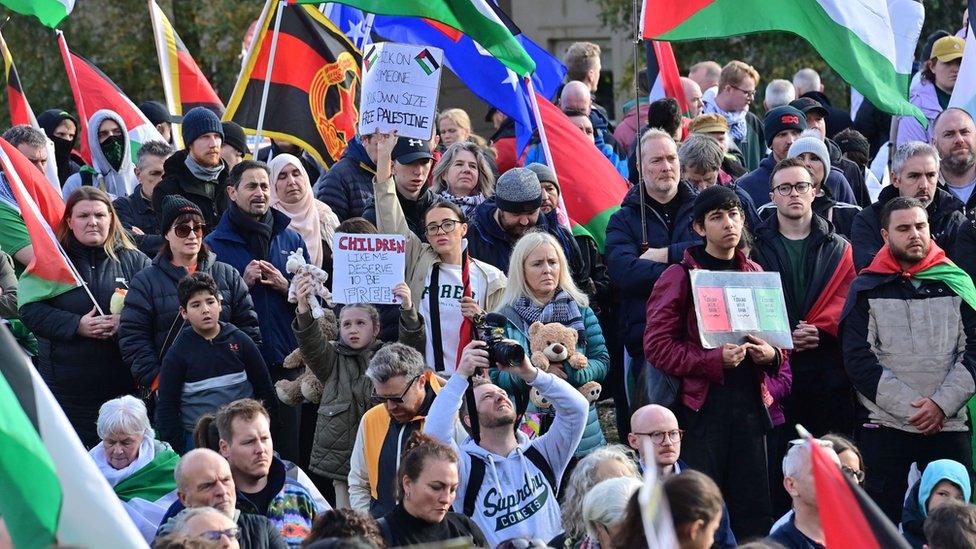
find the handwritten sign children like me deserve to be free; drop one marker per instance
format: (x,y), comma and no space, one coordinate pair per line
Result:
(366,267)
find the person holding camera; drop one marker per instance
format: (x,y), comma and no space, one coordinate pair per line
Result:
(541,289)
(451,288)
(510,482)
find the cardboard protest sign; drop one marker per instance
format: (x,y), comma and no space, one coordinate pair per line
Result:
(366,267)
(400,87)
(730,305)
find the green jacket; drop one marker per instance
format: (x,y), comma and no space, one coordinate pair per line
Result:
(346,390)
(592,344)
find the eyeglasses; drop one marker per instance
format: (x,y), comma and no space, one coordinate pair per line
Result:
(857,476)
(747,93)
(215,535)
(447,226)
(183,231)
(397,399)
(657,437)
(786,189)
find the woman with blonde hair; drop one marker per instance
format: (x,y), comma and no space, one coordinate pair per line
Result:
(463,176)
(78,354)
(541,289)
(291,193)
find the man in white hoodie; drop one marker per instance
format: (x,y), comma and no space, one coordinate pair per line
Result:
(511,482)
(112,169)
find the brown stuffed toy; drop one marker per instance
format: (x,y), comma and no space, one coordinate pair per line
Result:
(590,390)
(306,387)
(554,343)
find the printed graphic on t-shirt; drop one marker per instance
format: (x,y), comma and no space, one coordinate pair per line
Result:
(510,509)
(450,290)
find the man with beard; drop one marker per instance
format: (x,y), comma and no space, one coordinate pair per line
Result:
(914,174)
(197,173)
(908,336)
(256,240)
(511,482)
(515,210)
(954,136)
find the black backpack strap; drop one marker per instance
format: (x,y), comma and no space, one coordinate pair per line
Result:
(537,459)
(435,318)
(475,477)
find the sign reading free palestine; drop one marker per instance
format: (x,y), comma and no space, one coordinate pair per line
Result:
(400,87)
(731,305)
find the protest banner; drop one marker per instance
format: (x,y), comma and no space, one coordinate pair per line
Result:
(731,305)
(400,87)
(366,267)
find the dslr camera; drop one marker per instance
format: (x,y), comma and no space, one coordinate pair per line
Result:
(491,330)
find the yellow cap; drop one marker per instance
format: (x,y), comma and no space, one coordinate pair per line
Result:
(948,48)
(709,123)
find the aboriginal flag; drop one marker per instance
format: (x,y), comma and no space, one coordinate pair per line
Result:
(313,97)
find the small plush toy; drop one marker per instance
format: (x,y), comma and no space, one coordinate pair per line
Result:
(296,265)
(590,390)
(306,387)
(117,302)
(554,343)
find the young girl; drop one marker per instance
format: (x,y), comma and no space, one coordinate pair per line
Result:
(340,366)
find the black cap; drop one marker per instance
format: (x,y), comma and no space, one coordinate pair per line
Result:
(234,136)
(410,149)
(713,197)
(807,105)
(157,113)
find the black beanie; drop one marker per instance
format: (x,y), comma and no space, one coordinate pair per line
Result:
(174,206)
(200,121)
(713,197)
(234,136)
(783,118)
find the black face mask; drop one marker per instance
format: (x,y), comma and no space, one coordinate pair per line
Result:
(113,148)
(62,148)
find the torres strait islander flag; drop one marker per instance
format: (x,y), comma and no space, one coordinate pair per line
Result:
(93,91)
(592,189)
(51,492)
(864,41)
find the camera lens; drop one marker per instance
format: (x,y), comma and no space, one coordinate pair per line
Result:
(508,354)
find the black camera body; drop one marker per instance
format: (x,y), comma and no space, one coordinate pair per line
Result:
(491,330)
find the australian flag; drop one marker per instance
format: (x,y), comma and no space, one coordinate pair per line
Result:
(484,75)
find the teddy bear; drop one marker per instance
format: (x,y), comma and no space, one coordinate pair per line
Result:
(296,265)
(590,390)
(554,343)
(306,387)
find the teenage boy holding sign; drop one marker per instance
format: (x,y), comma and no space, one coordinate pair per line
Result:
(723,398)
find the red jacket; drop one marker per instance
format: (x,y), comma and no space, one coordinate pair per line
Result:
(672,342)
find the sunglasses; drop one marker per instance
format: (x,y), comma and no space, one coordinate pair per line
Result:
(184,231)
(394,399)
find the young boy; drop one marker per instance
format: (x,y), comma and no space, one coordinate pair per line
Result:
(723,397)
(210,364)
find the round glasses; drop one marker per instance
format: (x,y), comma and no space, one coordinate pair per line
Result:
(657,437)
(786,189)
(447,226)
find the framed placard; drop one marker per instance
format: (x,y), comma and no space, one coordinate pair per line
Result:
(733,304)
(366,267)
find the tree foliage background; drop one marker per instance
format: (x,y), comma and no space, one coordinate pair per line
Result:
(116,35)
(774,55)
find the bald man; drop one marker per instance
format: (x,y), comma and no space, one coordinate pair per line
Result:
(576,97)
(693,96)
(203,479)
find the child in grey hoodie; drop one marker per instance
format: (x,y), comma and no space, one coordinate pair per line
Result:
(511,482)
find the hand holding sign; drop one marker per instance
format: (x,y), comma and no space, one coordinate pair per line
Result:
(366,267)
(732,355)
(759,351)
(400,87)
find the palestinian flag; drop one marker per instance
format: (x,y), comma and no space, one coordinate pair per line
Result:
(848,516)
(476,18)
(51,493)
(49,12)
(592,189)
(313,94)
(50,273)
(869,44)
(184,84)
(93,91)
(20,109)
(825,312)
(663,75)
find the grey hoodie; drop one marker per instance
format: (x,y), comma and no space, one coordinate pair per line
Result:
(115,183)
(514,500)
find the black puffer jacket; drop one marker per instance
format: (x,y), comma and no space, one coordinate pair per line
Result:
(83,372)
(177,179)
(151,319)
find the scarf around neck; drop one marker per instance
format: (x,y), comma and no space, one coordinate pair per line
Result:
(736,120)
(257,232)
(466,203)
(203,173)
(935,266)
(561,309)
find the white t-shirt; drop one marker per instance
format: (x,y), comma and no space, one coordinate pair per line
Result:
(449,296)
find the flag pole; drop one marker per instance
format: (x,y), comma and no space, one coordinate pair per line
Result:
(561,214)
(640,175)
(77,274)
(267,73)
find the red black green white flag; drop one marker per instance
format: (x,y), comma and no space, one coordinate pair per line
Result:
(20,109)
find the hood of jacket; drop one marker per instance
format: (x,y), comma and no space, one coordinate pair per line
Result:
(176,273)
(50,119)
(123,181)
(924,97)
(937,471)
(356,151)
